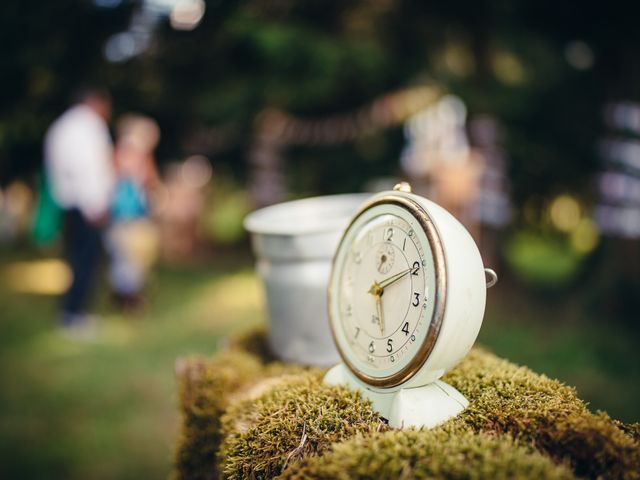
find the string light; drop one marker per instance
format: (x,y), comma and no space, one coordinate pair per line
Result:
(275,130)
(389,110)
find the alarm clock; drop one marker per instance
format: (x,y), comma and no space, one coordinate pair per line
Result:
(406,300)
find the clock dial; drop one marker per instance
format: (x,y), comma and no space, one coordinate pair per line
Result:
(382,291)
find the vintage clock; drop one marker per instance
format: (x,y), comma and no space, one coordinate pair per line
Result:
(406,300)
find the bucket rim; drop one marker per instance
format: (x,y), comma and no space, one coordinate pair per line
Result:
(341,207)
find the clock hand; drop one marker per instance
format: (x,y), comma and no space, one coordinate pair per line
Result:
(377,289)
(380,314)
(391,280)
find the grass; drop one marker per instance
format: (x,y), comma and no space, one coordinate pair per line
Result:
(558,336)
(109,410)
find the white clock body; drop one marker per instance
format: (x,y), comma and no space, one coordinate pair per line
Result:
(406,301)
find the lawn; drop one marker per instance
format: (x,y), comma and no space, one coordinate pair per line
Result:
(108,409)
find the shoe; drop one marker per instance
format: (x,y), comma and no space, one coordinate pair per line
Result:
(80,327)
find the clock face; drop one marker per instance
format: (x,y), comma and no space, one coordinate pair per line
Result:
(383,291)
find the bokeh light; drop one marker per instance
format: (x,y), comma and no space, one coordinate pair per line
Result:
(579,55)
(196,171)
(508,68)
(565,213)
(187,14)
(585,236)
(46,277)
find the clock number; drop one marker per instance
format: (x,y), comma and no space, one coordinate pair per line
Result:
(417,300)
(348,311)
(415,268)
(405,328)
(357,332)
(404,244)
(371,347)
(389,234)
(389,345)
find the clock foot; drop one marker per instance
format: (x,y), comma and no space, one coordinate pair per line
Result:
(425,406)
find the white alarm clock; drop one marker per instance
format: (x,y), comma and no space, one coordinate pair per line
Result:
(406,300)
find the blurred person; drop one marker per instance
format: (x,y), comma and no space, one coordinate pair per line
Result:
(132,239)
(182,215)
(440,163)
(79,161)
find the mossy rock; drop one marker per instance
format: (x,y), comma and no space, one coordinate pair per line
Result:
(429,454)
(204,388)
(309,418)
(248,416)
(507,398)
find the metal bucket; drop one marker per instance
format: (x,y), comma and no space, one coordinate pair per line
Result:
(294,243)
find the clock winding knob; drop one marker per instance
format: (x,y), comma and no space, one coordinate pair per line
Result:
(402,187)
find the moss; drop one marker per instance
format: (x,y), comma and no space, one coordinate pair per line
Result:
(298,418)
(255,342)
(507,398)
(263,418)
(205,389)
(428,454)
(631,429)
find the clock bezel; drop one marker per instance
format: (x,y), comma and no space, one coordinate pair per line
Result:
(428,344)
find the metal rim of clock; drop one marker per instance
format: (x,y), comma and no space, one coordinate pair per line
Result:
(428,344)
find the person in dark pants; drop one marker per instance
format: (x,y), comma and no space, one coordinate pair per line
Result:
(83,246)
(79,162)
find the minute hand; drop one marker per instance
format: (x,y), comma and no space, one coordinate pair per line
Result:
(393,279)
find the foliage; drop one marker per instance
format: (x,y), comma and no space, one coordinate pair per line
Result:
(48,50)
(319,57)
(544,260)
(227,206)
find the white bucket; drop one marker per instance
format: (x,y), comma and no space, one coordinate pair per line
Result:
(294,243)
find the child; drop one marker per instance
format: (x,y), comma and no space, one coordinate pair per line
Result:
(132,239)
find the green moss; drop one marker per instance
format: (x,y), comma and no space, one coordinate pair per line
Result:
(507,398)
(298,418)
(254,341)
(631,429)
(428,454)
(206,387)
(262,418)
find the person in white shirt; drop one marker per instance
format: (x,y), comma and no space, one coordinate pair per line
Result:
(78,154)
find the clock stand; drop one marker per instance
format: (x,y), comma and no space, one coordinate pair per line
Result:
(420,406)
